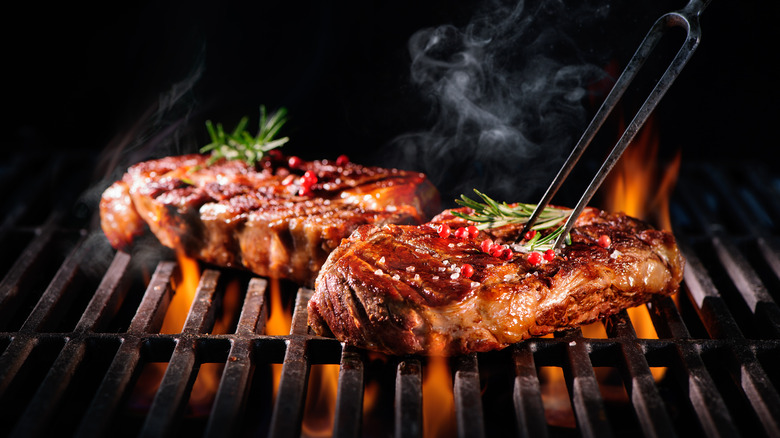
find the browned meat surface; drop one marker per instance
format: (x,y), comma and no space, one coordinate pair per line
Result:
(264,218)
(402,289)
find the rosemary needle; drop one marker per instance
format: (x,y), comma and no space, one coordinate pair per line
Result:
(492,214)
(240,144)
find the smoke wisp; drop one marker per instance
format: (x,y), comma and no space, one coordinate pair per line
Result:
(506,94)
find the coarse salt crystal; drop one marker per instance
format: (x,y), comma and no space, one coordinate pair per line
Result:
(410,269)
(378,272)
(474,284)
(416,277)
(435,277)
(615,254)
(445,262)
(382,260)
(451,245)
(396,277)
(454,275)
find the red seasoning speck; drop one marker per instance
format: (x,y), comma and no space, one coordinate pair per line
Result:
(604,241)
(294,162)
(467,270)
(444,231)
(534,258)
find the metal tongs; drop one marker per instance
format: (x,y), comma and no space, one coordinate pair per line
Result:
(686,18)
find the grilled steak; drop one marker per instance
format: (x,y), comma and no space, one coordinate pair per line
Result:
(279,218)
(403,289)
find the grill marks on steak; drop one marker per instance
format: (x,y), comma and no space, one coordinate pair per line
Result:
(397,289)
(235,215)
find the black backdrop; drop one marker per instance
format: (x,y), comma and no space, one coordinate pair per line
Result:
(79,77)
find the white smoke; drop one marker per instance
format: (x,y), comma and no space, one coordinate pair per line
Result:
(507,97)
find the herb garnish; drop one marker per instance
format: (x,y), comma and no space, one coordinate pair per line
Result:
(240,144)
(491,214)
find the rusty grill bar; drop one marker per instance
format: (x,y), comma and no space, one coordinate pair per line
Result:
(77,330)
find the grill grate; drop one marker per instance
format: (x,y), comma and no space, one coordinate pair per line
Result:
(80,323)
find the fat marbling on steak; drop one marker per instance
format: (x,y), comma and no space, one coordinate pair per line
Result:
(402,289)
(279,218)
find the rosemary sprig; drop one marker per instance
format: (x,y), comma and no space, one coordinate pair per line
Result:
(491,214)
(240,144)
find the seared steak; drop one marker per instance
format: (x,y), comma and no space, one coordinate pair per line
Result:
(404,289)
(280,218)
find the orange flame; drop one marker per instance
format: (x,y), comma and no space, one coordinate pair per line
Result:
(370,397)
(185,286)
(557,407)
(636,185)
(320,401)
(279,323)
(438,399)
(639,188)
(204,388)
(280,320)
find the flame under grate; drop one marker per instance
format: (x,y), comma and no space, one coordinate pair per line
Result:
(80,324)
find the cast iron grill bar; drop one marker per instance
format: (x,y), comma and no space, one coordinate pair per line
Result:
(25,265)
(746,370)
(744,278)
(691,373)
(710,408)
(639,382)
(108,296)
(124,367)
(583,387)
(49,395)
(468,400)
(349,396)
(287,415)
(26,339)
(408,399)
(231,395)
(171,397)
(55,293)
(718,321)
(527,393)
(749,285)
(689,359)
(761,184)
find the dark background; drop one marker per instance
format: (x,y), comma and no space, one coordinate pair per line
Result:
(113,80)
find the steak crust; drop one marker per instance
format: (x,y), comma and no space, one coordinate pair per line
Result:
(258,217)
(397,289)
